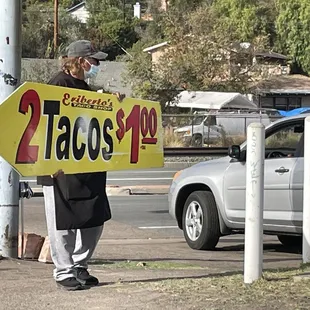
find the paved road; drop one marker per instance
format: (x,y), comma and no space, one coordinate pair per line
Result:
(142,230)
(147,217)
(148,213)
(160,176)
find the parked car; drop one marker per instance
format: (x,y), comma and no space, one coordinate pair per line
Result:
(208,199)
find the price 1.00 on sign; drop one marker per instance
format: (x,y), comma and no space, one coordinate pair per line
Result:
(46,128)
(140,123)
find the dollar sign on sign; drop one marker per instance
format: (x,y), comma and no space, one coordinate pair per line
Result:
(119,119)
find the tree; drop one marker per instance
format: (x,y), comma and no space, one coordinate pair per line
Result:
(293,28)
(184,6)
(38,27)
(200,56)
(243,20)
(112,26)
(63,3)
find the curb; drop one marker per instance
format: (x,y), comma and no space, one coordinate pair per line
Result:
(124,191)
(149,190)
(137,190)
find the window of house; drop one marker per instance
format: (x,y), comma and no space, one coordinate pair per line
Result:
(294,103)
(281,103)
(266,102)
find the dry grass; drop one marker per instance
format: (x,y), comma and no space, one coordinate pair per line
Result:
(233,140)
(277,290)
(171,139)
(280,140)
(226,141)
(283,140)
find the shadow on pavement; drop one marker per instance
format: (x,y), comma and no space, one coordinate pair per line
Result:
(210,275)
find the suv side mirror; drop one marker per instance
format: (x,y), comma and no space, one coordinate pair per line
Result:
(234,152)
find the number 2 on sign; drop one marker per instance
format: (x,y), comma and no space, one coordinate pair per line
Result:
(26,153)
(139,121)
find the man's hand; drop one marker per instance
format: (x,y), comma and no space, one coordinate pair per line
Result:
(119,96)
(57,174)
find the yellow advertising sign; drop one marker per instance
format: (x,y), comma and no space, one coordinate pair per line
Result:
(45,128)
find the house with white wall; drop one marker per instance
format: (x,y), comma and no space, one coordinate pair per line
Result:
(80,12)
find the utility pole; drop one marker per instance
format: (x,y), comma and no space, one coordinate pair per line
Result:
(56,25)
(10,73)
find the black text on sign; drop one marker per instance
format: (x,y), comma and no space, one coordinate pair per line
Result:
(97,142)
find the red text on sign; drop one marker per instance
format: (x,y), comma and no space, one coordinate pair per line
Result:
(26,153)
(139,121)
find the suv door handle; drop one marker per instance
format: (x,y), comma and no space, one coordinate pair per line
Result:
(282,170)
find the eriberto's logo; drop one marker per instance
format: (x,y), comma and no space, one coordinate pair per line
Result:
(82,101)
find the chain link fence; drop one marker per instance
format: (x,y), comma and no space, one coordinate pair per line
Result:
(213,130)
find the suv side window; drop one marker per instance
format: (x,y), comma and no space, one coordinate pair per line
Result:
(286,137)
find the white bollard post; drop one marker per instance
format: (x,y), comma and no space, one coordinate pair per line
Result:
(253,252)
(306,200)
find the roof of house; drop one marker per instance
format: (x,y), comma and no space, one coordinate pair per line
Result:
(271,55)
(76,7)
(155,47)
(283,84)
(268,54)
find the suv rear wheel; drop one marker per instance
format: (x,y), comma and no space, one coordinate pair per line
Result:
(200,221)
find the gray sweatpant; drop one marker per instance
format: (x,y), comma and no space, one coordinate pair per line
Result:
(70,249)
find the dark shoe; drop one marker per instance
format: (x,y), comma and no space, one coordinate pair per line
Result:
(69,284)
(83,276)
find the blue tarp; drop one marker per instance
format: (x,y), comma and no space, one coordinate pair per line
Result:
(293,112)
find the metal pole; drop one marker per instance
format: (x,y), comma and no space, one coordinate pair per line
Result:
(306,209)
(253,252)
(10,71)
(22,229)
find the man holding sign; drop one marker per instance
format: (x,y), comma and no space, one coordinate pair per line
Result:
(45,129)
(76,204)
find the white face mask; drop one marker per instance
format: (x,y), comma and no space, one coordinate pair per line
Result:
(92,73)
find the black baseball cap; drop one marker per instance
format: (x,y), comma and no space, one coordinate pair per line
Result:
(84,48)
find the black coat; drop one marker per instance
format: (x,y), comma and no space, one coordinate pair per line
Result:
(81,200)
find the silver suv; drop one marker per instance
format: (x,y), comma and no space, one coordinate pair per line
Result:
(208,199)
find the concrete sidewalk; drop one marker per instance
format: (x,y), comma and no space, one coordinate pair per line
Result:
(29,285)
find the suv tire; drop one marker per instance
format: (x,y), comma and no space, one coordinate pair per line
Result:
(200,221)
